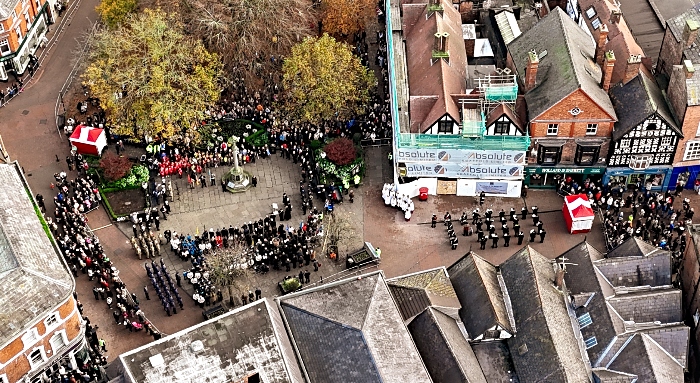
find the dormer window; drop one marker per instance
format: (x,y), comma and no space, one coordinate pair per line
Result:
(595,23)
(590,12)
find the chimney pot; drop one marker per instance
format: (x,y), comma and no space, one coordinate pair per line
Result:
(632,69)
(690,32)
(600,45)
(533,62)
(688,68)
(608,66)
(559,279)
(615,16)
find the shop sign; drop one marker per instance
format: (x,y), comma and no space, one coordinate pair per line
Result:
(450,170)
(466,156)
(582,170)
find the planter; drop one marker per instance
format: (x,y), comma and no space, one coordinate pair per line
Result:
(289,285)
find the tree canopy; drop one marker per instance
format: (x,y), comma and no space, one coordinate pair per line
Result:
(113,12)
(247,34)
(324,80)
(346,17)
(150,78)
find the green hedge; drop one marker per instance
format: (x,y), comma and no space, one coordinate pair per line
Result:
(107,205)
(40,215)
(258,138)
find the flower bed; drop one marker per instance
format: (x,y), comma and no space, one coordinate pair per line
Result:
(258,138)
(136,176)
(215,133)
(343,175)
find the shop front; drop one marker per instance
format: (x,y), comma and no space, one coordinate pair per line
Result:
(689,176)
(550,177)
(652,178)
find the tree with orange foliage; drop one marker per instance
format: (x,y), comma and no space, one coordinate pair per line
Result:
(346,17)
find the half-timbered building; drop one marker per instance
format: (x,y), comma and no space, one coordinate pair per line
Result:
(645,137)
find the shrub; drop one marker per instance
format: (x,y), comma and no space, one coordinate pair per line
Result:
(341,151)
(291,284)
(114,167)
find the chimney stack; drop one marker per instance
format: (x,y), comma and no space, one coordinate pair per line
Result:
(600,45)
(608,66)
(441,42)
(615,15)
(559,278)
(690,32)
(533,62)
(688,68)
(632,69)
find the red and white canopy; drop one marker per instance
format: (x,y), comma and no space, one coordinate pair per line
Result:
(578,213)
(89,140)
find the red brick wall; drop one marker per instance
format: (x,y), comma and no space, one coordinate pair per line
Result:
(670,54)
(690,131)
(19,366)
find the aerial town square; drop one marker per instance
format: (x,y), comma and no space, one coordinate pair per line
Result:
(349,191)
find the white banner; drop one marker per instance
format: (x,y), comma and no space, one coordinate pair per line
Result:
(451,170)
(467,156)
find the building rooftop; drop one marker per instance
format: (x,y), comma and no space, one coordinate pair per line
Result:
(34,279)
(676,26)
(229,348)
(651,270)
(633,247)
(495,361)
(649,305)
(568,64)
(352,331)
(413,293)
(642,356)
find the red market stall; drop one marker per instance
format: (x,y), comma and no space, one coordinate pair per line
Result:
(89,140)
(578,213)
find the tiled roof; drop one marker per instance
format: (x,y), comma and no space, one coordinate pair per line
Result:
(568,65)
(444,348)
(507,25)
(431,84)
(633,247)
(545,344)
(34,279)
(643,357)
(640,306)
(414,292)
(234,346)
(676,26)
(609,376)
(352,331)
(637,101)
(652,270)
(476,283)
(495,361)
(6,8)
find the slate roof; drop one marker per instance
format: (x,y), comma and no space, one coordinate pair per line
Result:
(495,361)
(649,305)
(6,8)
(432,84)
(603,375)
(567,66)
(518,117)
(643,357)
(633,247)
(413,293)
(236,345)
(545,344)
(651,270)
(676,26)
(352,331)
(447,354)
(34,280)
(578,280)
(476,283)
(636,101)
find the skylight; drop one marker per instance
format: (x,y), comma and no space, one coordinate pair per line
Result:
(584,320)
(590,342)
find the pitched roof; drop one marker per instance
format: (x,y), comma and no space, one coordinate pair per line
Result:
(676,26)
(352,331)
(6,8)
(636,101)
(545,345)
(444,348)
(651,270)
(643,357)
(604,375)
(476,283)
(34,279)
(567,66)
(648,305)
(673,338)
(517,117)
(431,84)
(233,346)
(414,292)
(495,361)
(633,247)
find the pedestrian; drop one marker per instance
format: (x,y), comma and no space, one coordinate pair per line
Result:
(542,234)
(494,238)
(533,234)
(352,196)
(301,276)
(96,293)
(307,276)
(258,293)
(102,345)
(223,184)
(117,317)
(535,219)
(523,213)
(244,299)
(520,238)
(482,198)
(109,302)
(145,292)
(316,265)
(178,279)
(506,239)
(255,181)
(482,242)
(433,221)
(251,297)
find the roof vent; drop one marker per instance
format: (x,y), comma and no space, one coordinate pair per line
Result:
(522,350)
(196,346)
(157,360)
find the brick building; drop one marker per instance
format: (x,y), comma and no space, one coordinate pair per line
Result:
(41,328)
(571,115)
(23,24)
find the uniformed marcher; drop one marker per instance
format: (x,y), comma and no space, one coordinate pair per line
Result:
(506,239)
(535,219)
(542,234)
(453,242)
(520,237)
(523,213)
(533,234)
(494,238)
(433,221)
(482,241)
(482,198)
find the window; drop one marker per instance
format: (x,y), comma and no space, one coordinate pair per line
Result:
(697,134)
(584,320)
(57,342)
(2,27)
(14,15)
(255,378)
(692,151)
(591,129)
(640,162)
(652,126)
(586,155)
(549,155)
(624,144)
(27,19)
(5,47)
(3,379)
(666,141)
(502,127)
(590,342)
(31,337)
(552,129)
(19,33)
(595,23)
(590,12)
(445,127)
(51,321)
(36,357)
